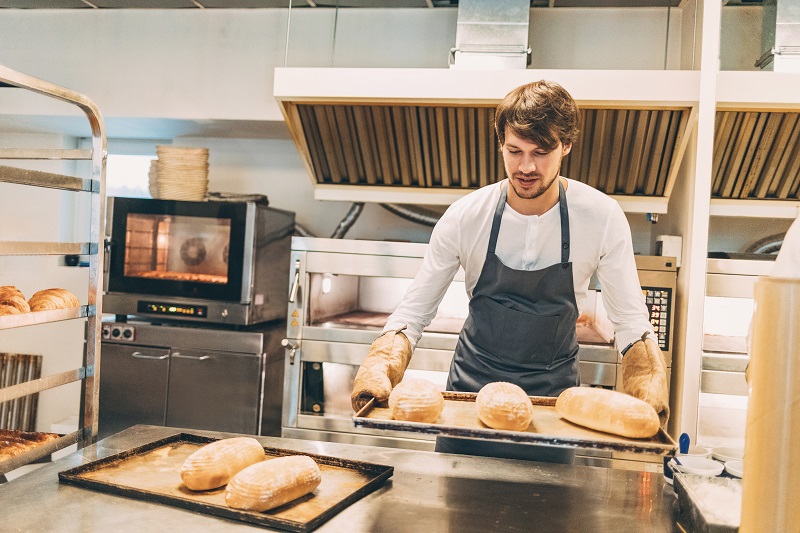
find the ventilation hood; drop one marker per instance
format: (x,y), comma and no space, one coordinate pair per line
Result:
(426,136)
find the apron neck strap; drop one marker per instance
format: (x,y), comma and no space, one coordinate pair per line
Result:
(562,204)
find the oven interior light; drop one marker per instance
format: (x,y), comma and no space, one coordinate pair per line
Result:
(326,283)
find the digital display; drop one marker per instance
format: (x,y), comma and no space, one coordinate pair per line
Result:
(198,311)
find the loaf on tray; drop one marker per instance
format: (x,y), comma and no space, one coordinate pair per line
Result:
(216,463)
(608,411)
(503,405)
(416,400)
(272,483)
(49,299)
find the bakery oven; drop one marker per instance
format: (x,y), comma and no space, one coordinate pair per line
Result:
(341,293)
(204,262)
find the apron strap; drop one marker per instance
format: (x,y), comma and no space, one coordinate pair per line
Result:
(562,202)
(498,216)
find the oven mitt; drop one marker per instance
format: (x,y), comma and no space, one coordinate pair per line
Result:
(382,369)
(644,375)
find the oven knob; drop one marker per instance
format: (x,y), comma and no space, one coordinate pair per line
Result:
(127,333)
(224,313)
(115,333)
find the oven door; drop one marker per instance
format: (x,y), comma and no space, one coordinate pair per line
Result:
(197,250)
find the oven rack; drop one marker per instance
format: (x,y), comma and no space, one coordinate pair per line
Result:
(95,186)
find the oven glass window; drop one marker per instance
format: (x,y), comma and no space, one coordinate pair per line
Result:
(177,248)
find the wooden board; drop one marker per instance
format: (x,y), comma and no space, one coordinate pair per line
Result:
(458,419)
(152,473)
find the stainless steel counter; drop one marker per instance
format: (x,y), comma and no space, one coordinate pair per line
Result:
(428,492)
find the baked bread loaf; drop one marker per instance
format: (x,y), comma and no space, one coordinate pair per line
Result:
(416,400)
(216,463)
(272,483)
(49,299)
(8,310)
(503,405)
(609,411)
(11,297)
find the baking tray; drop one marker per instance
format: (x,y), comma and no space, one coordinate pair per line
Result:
(458,419)
(151,473)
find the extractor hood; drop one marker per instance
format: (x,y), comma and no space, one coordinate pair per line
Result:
(425,136)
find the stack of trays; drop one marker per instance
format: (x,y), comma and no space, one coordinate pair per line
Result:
(180,173)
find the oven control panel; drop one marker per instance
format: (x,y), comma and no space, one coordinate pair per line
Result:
(659,307)
(119,332)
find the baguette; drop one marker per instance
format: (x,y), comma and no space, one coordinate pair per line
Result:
(416,400)
(216,463)
(272,483)
(503,405)
(608,411)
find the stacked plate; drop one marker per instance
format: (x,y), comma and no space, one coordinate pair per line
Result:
(181,173)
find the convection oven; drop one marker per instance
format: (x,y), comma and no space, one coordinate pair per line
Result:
(341,294)
(205,262)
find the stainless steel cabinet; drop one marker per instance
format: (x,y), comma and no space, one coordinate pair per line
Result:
(195,378)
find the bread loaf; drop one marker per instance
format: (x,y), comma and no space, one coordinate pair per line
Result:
(609,411)
(503,405)
(272,483)
(8,310)
(416,400)
(216,463)
(12,297)
(49,299)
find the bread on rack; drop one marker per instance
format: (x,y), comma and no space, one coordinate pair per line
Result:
(12,301)
(49,299)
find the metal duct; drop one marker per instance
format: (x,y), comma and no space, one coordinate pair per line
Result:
(348,220)
(780,36)
(492,35)
(418,215)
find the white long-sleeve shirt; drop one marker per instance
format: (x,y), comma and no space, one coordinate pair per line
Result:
(600,240)
(787,264)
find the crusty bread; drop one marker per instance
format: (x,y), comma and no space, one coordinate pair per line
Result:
(216,463)
(272,483)
(8,310)
(16,300)
(608,411)
(49,299)
(503,405)
(8,290)
(416,400)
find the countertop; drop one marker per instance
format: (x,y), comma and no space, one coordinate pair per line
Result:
(428,492)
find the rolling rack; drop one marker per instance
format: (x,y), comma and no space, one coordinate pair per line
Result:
(88,373)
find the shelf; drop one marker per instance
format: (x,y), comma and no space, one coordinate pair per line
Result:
(723,207)
(36,452)
(49,180)
(47,248)
(44,153)
(38,385)
(44,317)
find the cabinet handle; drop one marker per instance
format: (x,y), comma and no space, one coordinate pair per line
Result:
(140,355)
(296,283)
(179,355)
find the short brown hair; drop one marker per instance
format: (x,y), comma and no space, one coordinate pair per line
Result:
(542,112)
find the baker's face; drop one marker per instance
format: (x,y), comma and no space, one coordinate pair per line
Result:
(531,170)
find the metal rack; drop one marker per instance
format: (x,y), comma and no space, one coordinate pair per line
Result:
(87,373)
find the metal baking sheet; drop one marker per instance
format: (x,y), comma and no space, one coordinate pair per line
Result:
(458,419)
(152,473)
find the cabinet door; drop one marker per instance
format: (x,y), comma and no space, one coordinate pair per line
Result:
(133,387)
(219,391)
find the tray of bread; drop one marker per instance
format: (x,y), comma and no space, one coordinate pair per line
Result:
(46,305)
(235,478)
(581,417)
(18,448)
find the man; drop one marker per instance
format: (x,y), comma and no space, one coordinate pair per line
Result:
(787,264)
(528,246)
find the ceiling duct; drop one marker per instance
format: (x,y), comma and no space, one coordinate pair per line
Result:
(780,36)
(492,35)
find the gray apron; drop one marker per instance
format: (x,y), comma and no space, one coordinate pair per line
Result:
(520,329)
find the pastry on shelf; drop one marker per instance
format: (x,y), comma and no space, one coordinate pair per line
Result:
(49,299)
(12,301)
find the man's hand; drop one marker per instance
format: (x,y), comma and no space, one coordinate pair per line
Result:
(644,376)
(382,369)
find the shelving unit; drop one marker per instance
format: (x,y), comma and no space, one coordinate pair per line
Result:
(87,373)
